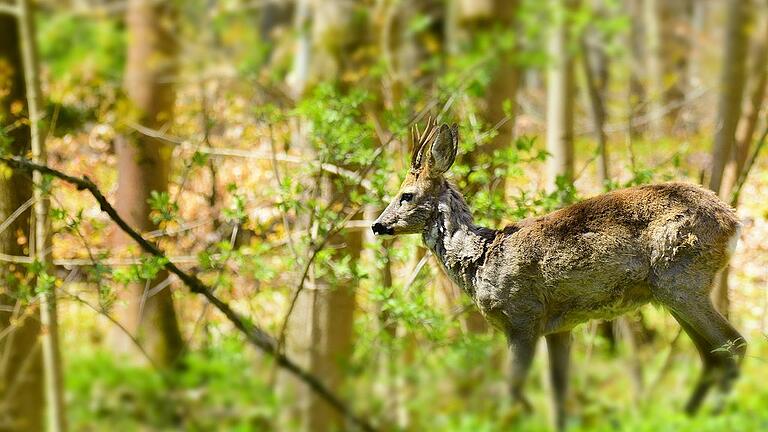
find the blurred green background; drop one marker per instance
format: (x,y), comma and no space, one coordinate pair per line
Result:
(256,140)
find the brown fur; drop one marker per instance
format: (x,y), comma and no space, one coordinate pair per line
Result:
(599,258)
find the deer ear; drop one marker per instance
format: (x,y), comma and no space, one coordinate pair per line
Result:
(444,148)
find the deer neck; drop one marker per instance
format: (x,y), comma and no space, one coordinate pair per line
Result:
(455,240)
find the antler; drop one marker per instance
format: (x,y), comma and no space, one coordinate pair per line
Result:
(420,142)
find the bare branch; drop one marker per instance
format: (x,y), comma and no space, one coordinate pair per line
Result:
(257,155)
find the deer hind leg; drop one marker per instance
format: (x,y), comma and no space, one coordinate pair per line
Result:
(559,350)
(706,378)
(522,348)
(720,346)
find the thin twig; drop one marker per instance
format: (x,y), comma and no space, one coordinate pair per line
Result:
(252,154)
(415,272)
(110,318)
(279,181)
(227,256)
(16,213)
(745,172)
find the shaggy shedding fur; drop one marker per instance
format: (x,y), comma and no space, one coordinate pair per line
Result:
(599,258)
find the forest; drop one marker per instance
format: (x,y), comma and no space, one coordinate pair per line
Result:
(188,187)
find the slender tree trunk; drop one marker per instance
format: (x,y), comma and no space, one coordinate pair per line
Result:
(144,164)
(676,37)
(693,84)
(299,75)
(743,136)
(400,57)
(321,334)
(560,100)
(732,80)
(331,335)
(655,78)
(500,105)
(298,343)
(638,69)
(745,131)
(273,16)
(596,76)
(668,39)
(274,26)
(21,393)
(502,91)
(54,392)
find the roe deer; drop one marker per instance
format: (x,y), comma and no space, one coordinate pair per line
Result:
(599,258)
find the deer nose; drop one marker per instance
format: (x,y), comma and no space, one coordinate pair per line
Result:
(378,228)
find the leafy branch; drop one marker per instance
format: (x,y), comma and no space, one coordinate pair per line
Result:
(253,334)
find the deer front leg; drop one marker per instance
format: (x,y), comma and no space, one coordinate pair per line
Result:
(559,350)
(522,347)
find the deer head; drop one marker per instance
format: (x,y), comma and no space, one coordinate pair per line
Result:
(434,151)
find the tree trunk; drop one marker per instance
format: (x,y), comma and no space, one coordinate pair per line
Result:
(667,26)
(666,58)
(560,100)
(745,131)
(655,78)
(21,394)
(503,87)
(499,107)
(321,334)
(732,80)
(144,165)
(331,331)
(678,41)
(53,375)
(692,112)
(274,25)
(596,76)
(740,150)
(638,69)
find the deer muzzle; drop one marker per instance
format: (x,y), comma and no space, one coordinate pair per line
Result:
(379,228)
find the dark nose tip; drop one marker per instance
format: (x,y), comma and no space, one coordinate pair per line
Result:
(379,228)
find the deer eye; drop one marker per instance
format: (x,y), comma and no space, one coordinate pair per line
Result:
(406,197)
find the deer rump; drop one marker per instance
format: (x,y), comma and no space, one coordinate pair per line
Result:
(605,256)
